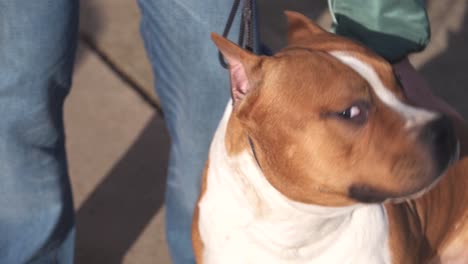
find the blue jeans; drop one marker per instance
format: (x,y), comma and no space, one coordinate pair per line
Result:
(194,90)
(37,47)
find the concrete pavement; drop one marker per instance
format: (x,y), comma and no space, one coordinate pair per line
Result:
(117,142)
(118,149)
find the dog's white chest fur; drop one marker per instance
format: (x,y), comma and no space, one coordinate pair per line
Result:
(243,219)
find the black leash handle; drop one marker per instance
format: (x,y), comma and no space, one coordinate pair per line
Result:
(246,33)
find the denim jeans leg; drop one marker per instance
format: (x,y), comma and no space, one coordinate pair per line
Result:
(37,47)
(194,90)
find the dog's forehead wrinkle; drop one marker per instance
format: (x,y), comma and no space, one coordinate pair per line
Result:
(305,65)
(413,116)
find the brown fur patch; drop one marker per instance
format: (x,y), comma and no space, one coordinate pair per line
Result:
(404,230)
(197,242)
(433,224)
(236,137)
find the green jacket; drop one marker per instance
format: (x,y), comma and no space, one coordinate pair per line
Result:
(392,28)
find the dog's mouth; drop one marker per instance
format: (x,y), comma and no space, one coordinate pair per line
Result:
(453,158)
(367,194)
(364,193)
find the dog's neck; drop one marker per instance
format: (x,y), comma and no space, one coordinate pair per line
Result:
(292,229)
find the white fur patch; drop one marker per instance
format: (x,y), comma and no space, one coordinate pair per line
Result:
(413,116)
(244,219)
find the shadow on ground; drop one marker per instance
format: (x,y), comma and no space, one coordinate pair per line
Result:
(116,213)
(90,18)
(121,206)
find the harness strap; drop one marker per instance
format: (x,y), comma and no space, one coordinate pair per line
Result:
(252,147)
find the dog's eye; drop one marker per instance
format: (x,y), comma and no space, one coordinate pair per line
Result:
(357,113)
(351,112)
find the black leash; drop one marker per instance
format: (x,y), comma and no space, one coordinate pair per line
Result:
(246,39)
(246,32)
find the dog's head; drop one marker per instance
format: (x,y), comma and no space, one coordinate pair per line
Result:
(330,123)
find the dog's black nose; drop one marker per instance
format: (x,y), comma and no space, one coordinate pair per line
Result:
(439,136)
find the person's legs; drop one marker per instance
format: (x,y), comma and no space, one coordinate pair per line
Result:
(194,90)
(37,47)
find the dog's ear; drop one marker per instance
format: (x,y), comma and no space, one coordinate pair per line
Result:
(243,66)
(301,27)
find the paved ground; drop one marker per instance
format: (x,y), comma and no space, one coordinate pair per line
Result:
(118,152)
(118,144)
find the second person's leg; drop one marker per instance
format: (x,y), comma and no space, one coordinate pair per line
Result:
(194,90)
(37,48)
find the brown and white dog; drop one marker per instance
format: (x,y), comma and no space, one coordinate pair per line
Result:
(320,158)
